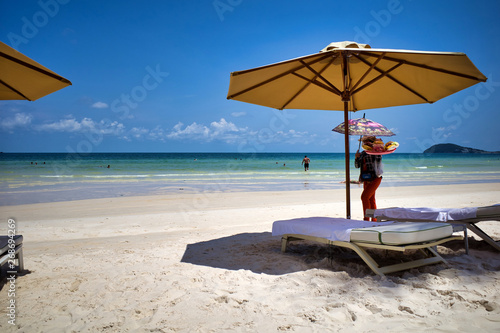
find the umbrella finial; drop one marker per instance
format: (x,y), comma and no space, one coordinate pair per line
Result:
(345,45)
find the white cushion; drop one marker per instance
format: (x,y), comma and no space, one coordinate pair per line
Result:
(402,233)
(331,228)
(426,213)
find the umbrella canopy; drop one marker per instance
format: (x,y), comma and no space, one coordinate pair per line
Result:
(25,79)
(348,76)
(363,126)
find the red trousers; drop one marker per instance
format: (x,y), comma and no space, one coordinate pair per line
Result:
(368,195)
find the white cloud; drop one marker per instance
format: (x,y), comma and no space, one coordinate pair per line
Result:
(100,105)
(63,125)
(222,127)
(221,131)
(228,132)
(294,137)
(443,132)
(137,132)
(218,130)
(86,125)
(238,114)
(114,128)
(18,121)
(141,133)
(193,131)
(156,133)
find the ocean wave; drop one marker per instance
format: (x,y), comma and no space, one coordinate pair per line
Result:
(57,176)
(114,176)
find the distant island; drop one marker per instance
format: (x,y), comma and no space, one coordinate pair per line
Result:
(455,149)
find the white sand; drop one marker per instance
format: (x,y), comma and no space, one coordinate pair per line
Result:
(208,263)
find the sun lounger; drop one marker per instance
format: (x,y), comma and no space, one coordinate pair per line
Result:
(17,254)
(362,235)
(466,217)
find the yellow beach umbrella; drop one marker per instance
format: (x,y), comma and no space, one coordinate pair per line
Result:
(348,76)
(22,78)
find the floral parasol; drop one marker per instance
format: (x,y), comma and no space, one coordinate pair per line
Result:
(363,126)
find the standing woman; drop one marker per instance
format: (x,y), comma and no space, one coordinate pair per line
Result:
(370,175)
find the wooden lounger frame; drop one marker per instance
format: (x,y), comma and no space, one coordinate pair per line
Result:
(466,223)
(432,257)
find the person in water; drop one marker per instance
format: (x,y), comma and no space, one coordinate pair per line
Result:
(305,163)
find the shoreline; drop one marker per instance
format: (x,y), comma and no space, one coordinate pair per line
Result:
(95,191)
(208,262)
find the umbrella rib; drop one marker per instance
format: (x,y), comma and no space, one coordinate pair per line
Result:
(317,74)
(272,78)
(409,89)
(37,69)
(442,70)
(382,75)
(317,57)
(14,90)
(368,71)
(386,73)
(334,90)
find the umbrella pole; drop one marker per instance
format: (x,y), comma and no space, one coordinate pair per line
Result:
(359,146)
(347,173)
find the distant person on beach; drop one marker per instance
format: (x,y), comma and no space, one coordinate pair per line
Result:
(305,163)
(370,167)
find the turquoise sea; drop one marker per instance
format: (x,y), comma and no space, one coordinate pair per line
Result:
(42,177)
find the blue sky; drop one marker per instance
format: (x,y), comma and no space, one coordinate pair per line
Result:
(152,76)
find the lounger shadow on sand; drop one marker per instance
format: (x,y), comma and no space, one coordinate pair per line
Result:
(256,252)
(260,253)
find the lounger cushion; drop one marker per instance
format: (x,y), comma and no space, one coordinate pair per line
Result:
(331,228)
(402,233)
(426,213)
(4,242)
(488,211)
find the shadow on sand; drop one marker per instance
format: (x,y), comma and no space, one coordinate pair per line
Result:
(261,253)
(256,252)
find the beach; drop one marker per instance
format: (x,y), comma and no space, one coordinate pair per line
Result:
(207,262)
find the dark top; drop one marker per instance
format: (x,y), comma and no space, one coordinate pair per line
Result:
(368,164)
